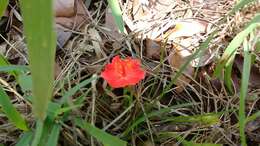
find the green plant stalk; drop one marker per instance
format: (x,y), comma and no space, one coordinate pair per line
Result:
(41,40)
(243,92)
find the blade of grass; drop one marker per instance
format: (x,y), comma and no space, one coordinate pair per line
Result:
(25,82)
(182,140)
(205,119)
(76,88)
(3,5)
(13,68)
(190,143)
(26,139)
(230,51)
(153,114)
(12,114)
(54,135)
(243,91)
(239,5)
(41,40)
(201,49)
(4,63)
(116,12)
(38,133)
(228,77)
(102,136)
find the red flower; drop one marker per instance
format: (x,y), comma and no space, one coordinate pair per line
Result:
(121,73)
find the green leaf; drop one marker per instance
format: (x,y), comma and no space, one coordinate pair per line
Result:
(38,22)
(25,81)
(230,51)
(228,77)
(142,118)
(201,50)
(240,4)
(243,91)
(117,13)
(3,5)
(102,136)
(54,135)
(3,67)
(9,68)
(189,143)
(26,139)
(12,114)
(52,110)
(183,141)
(76,88)
(205,119)
(38,133)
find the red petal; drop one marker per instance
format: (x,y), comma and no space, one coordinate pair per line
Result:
(121,73)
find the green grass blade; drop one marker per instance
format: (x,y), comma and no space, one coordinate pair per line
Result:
(4,64)
(183,141)
(228,77)
(38,133)
(189,143)
(54,135)
(25,82)
(76,88)
(201,49)
(3,5)
(41,40)
(243,92)
(231,49)
(12,114)
(102,136)
(239,5)
(117,13)
(26,139)
(205,119)
(142,118)
(11,68)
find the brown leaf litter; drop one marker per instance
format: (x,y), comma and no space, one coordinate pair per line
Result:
(157,21)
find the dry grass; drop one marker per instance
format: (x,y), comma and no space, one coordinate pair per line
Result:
(117,110)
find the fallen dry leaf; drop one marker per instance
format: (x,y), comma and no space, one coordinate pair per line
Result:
(208,7)
(78,17)
(186,28)
(253,130)
(64,8)
(153,49)
(176,60)
(70,14)
(152,20)
(63,35)
(138,11)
